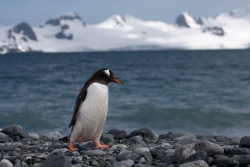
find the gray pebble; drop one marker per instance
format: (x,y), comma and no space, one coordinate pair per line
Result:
(136,139)
(34,136)
(140,151)
(128,162)
(52,136)
(5,163)
(94,153)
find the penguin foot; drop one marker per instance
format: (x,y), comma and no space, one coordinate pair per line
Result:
(103,147)
(72,147)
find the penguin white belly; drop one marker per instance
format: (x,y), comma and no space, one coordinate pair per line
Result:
(92,114)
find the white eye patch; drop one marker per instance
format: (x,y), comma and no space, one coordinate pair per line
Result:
(107,72)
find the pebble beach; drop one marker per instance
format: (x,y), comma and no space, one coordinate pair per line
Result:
(139,148)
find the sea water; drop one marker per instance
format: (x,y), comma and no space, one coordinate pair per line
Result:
(193,91)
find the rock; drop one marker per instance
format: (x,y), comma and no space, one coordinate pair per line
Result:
(209,160)
(94,163)
(199,163)
(237,151)
(118,164)
(244,160)
(245,142)
(118,134)
(128,162)
(52,136)
(57,161)
(107,138)
(181,153)
(4,138)
(209,147)
(183,140)
(35,142)
(224,162)
(168,159)
(200,155)
(94,153)
(148,156)
(142,159)
(236,157)
(145,133)
(168,136)
(5,163)
(15,130)
(235,140)
(60,150)
(107,164)
(114,147)
(180,134)
(136,139)
(222,139)
(34,136)
(207,134)
(169,151)
(126,156)
(140,151)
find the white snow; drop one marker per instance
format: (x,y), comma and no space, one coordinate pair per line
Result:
(129,33)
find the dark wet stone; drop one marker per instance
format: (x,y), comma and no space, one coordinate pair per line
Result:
(209,161)
(7,148)
(168,136)
(207,134)
(237,151)
(222,139)
(107,138)
(144,132)
(136,139)
(52,136)
(59,160)
(118,164)
(94,163)
(94,153)
(4,138)
(224,162)
(200,155)
(168,159)
(245,160)
(199,163)
(245,142)
(209,147)
(154,153)
(126,156)
(148,156)
(15,130)
(159,156)
(64,139)
(181,153)
(118,134)
(107,164)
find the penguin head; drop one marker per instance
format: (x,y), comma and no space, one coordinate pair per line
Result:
(104,76)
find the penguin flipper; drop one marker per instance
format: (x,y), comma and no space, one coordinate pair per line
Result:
(80,98)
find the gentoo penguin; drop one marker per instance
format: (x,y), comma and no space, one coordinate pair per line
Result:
(91,108)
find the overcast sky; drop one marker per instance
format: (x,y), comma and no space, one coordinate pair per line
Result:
(35,12)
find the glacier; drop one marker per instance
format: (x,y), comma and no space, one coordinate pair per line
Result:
(69,33)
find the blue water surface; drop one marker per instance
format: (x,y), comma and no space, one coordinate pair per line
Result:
(192,91)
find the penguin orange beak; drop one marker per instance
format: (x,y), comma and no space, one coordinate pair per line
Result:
(117,80)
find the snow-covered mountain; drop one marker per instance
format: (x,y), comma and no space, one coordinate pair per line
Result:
(69,33)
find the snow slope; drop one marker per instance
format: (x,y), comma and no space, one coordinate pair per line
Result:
(69,33)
